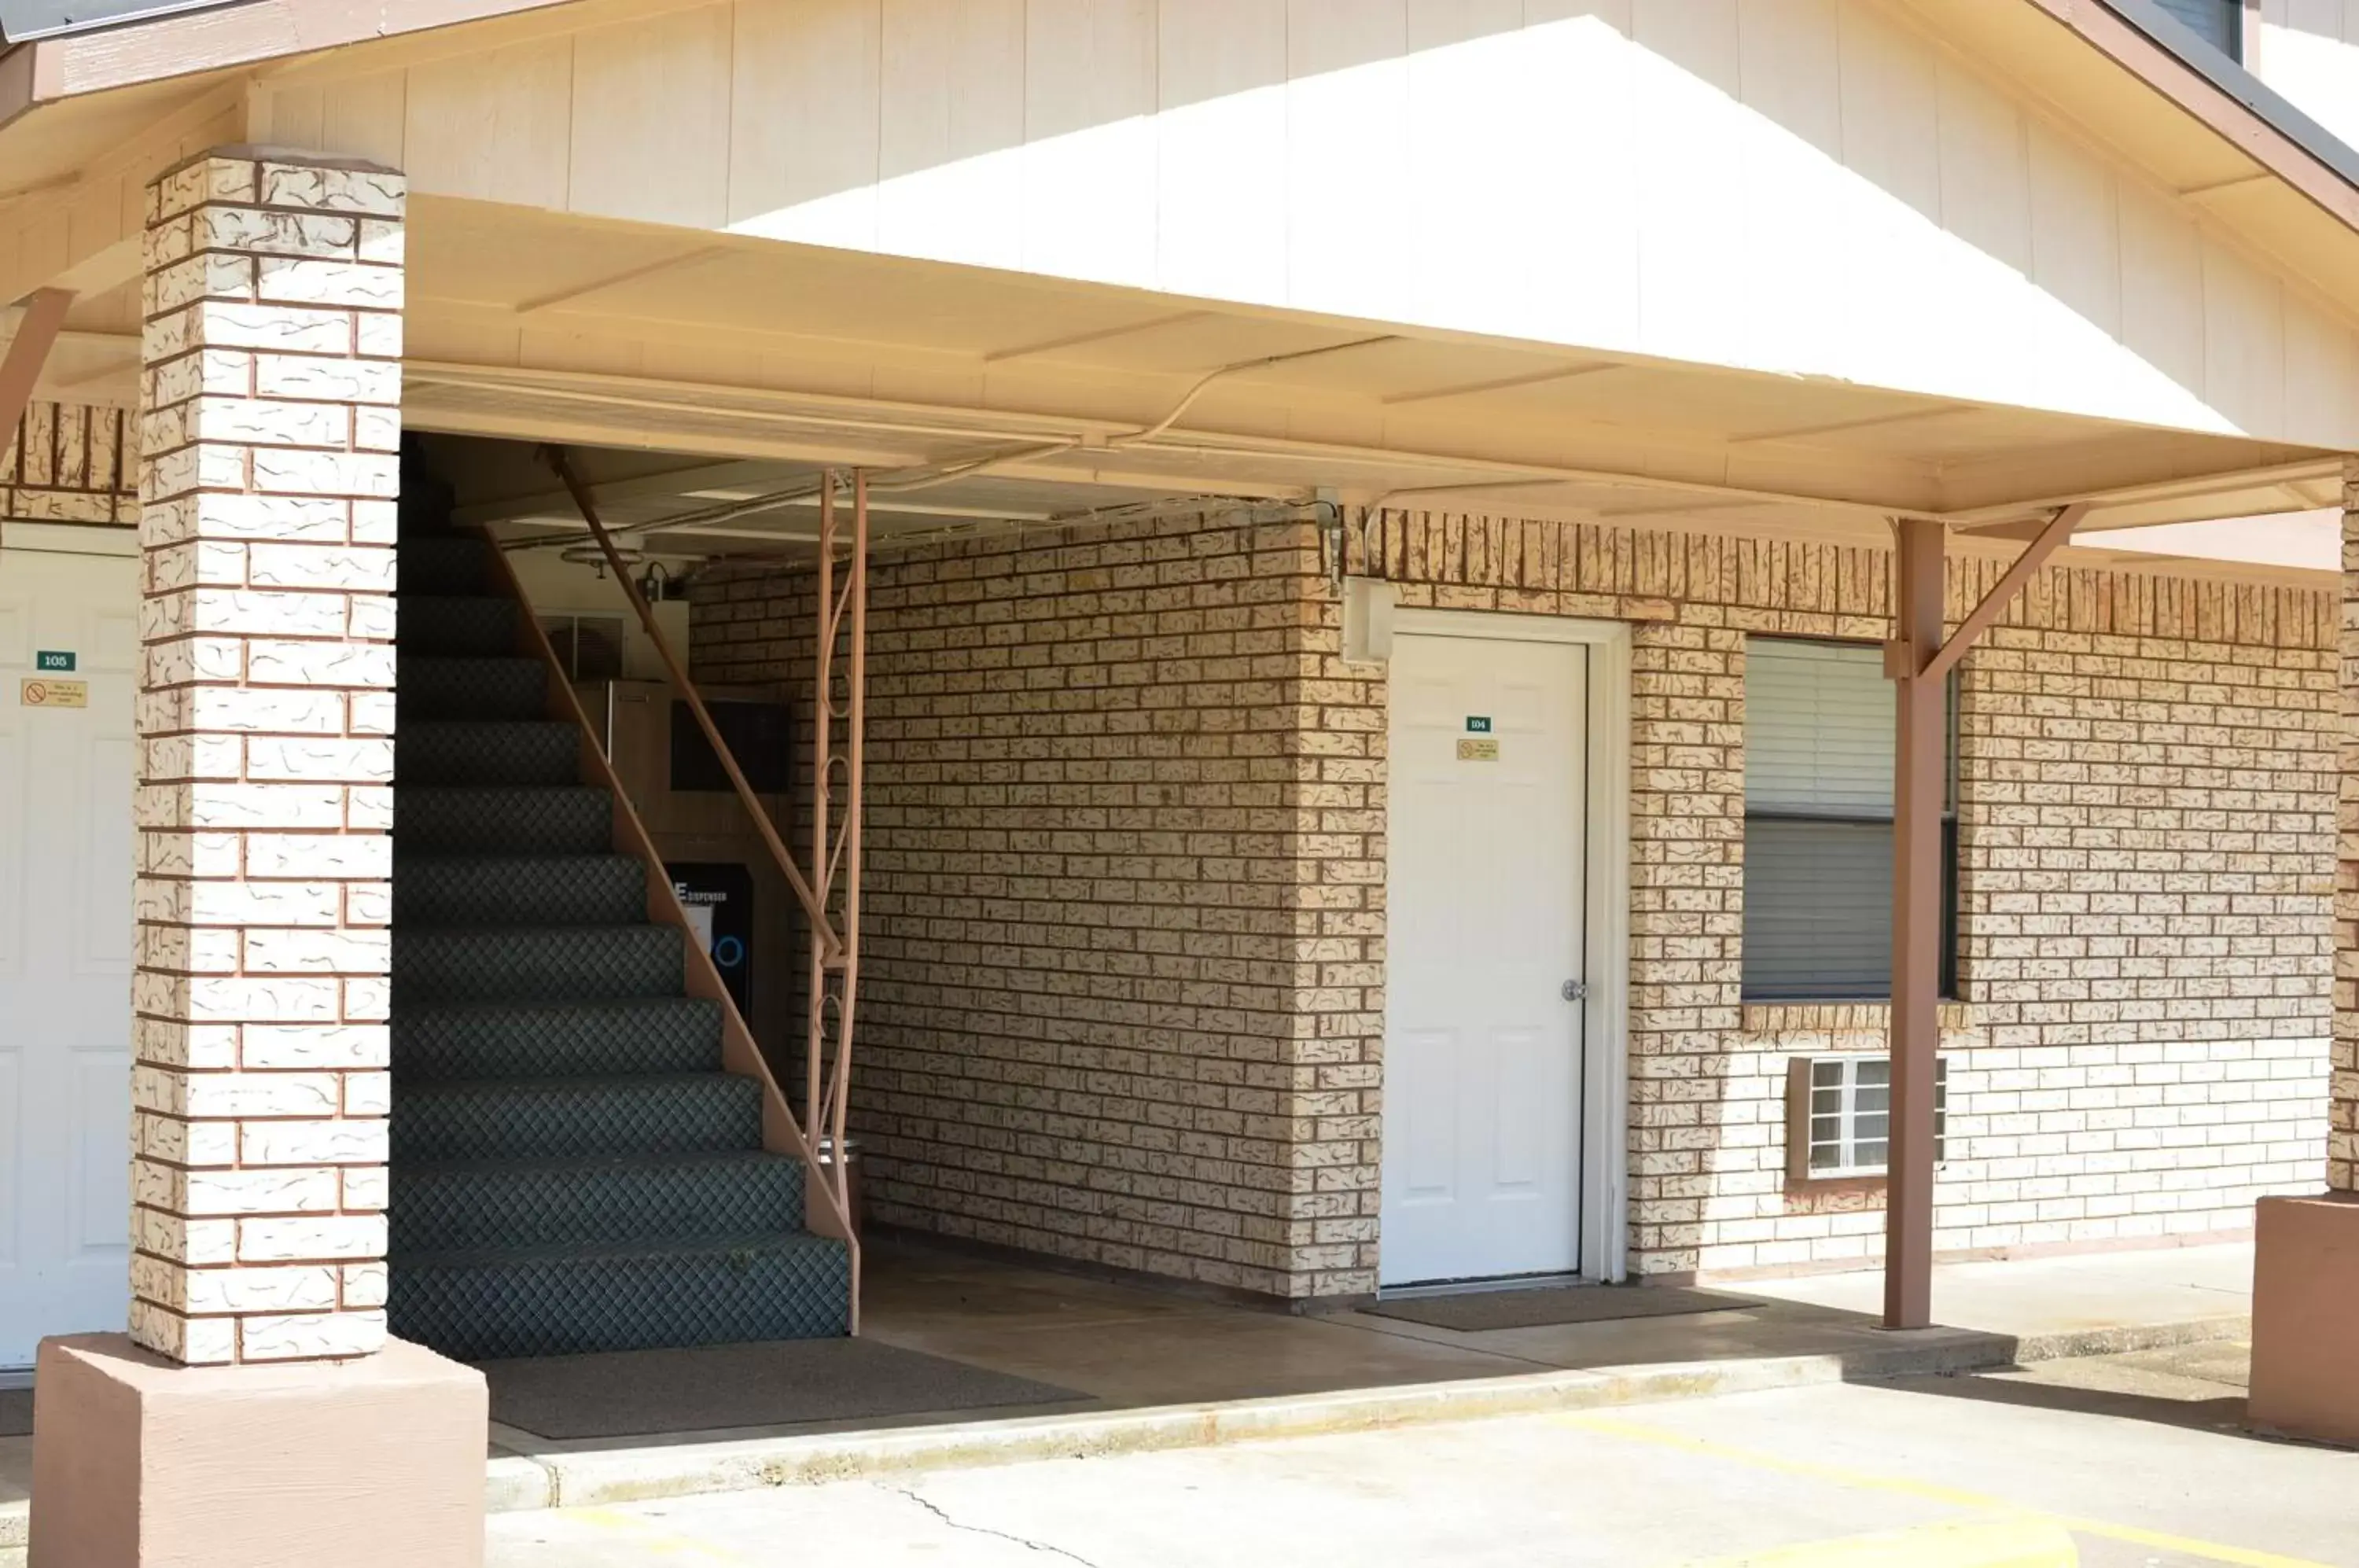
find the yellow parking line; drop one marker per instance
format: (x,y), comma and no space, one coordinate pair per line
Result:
(2016,1542)
(2242,1557)
(657,1541)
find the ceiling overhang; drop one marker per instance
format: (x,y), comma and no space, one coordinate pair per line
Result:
(543,326)
(523,322)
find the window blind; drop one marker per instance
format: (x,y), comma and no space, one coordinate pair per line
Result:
(1818,909)
(1818,821)
(1818,730)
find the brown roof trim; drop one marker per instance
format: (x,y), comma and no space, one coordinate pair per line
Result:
(22,84)
(192,43)
(2266,144)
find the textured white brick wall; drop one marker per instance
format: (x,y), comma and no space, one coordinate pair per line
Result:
(269,456)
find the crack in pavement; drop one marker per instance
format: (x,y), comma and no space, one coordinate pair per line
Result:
(1025,1541)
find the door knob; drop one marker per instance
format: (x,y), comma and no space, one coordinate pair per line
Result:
(1575,991)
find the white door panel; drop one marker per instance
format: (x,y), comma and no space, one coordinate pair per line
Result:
(65,950)
(1484,901)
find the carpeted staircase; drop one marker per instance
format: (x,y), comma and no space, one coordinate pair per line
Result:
(572,1170)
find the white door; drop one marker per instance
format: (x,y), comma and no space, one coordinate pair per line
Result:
(65,945)
(1485,899)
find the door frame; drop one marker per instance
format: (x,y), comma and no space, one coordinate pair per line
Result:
(1605,1046)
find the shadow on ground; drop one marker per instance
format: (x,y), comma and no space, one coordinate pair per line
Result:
(2200,1387)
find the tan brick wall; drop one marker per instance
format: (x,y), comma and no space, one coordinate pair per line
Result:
(1117,986)
(2343,1148)
(70,462)
(2146,769)
(1124,999)
(271,394)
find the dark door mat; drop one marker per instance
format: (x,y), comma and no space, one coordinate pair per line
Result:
(1477,1311)
(15,1412)
(638,1393)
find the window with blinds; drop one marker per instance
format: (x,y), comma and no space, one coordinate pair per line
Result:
(1818,824)
(2220,23)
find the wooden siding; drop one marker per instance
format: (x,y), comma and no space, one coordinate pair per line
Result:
(1799,186)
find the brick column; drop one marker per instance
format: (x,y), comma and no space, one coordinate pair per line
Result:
(2343,1088)
(268,466)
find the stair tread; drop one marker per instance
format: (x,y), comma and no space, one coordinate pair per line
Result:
(472,686)
(613,1112)
(460,661)
(533,958)
(470,1042)
(522,1007)
(414,726)
(451,857)
(561,1164)
(518,892)
(515,932)
(499,1199)
(536,925)
(456,792)
(778,1241)
(435,753)
(601,1185)
(639,1081)
(503,789)
(511,932)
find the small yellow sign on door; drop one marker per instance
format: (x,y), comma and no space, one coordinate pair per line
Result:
(46,693)
(1483,750)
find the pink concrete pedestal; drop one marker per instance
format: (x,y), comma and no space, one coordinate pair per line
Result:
(138,1463)
(2305,1318)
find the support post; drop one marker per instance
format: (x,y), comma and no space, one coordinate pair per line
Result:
(855,762)
(258,1415)
(1916,921)
(2305,1380)
(815,1119)
(836,837)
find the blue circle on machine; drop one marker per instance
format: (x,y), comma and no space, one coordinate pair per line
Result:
(729,953)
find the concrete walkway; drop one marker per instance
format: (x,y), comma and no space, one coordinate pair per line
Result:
(1156,1370)
(1935,1473)
(2040,1297)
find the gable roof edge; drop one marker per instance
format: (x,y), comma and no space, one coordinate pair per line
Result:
(166,38)
(2137,36)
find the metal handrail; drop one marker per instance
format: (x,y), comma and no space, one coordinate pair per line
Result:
(834,951)
(828,1197)
(812,906)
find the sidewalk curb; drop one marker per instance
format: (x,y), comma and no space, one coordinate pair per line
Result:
(582,1479)
(518,1483)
